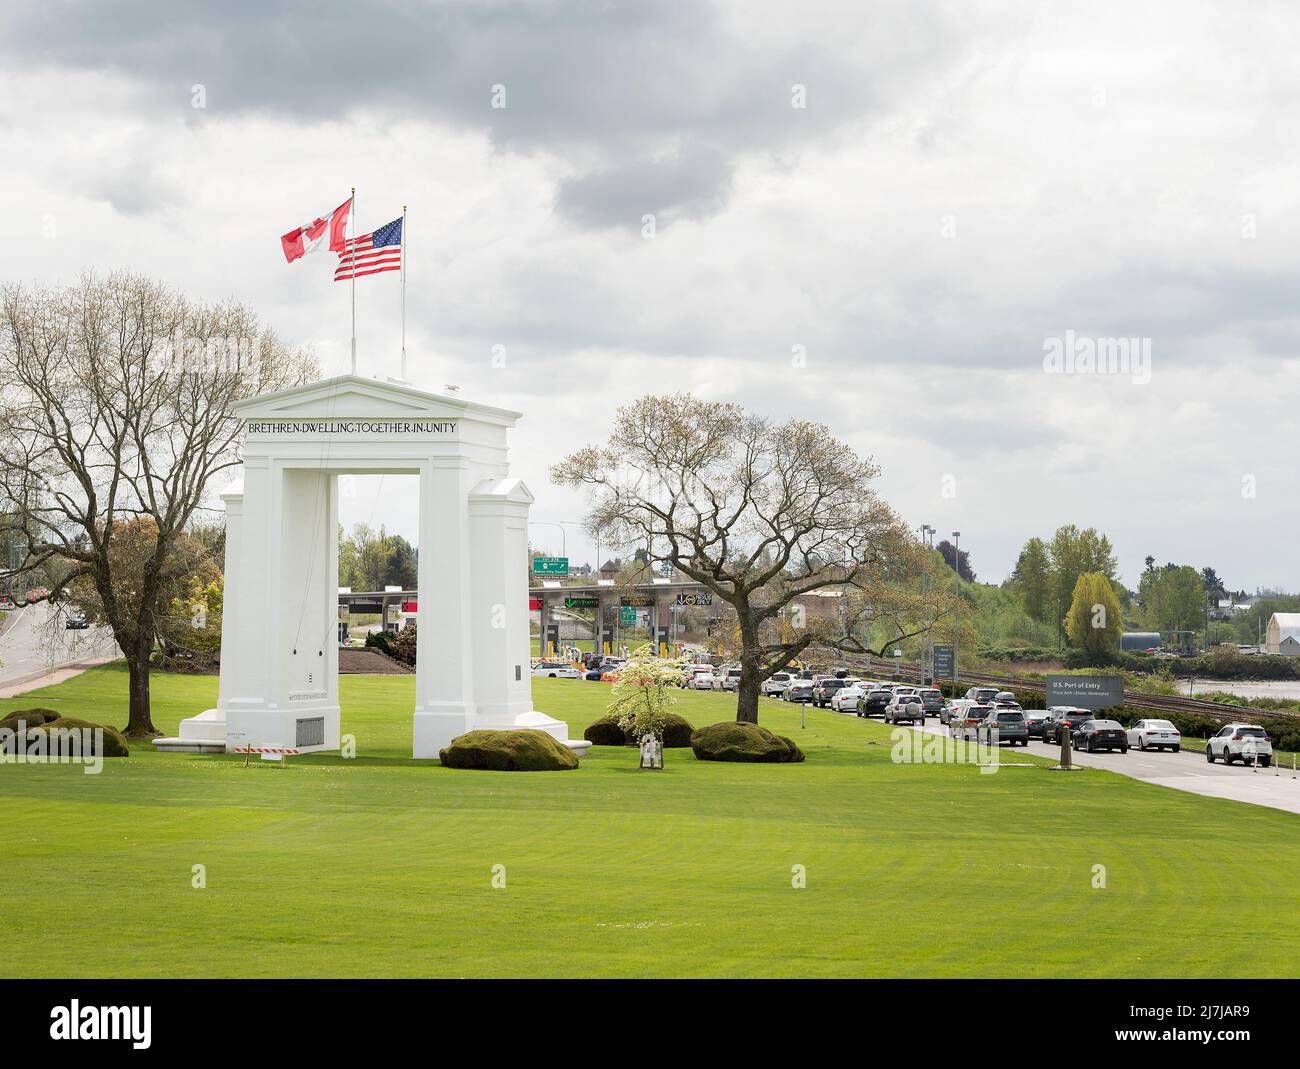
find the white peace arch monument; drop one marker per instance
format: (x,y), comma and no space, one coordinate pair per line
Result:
(279,640)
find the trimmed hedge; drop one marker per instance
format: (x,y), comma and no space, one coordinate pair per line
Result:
(115,744)
(31,717)
(606,732)
(734,740)
(513,750)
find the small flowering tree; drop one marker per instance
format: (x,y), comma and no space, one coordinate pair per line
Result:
(643,696)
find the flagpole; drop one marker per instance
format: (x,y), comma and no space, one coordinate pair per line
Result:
(352,218)
(403,292)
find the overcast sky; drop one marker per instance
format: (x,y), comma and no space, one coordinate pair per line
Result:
(963,183)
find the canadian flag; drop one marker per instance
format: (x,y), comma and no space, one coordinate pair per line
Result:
(332,227)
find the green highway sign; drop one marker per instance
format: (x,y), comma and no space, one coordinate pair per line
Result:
(581,603)
(627,615)
(552,567)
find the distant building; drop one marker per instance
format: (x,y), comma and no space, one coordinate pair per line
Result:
(1139,640)
(1283,634)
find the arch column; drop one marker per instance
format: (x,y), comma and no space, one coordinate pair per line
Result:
(444,671)
(498,523)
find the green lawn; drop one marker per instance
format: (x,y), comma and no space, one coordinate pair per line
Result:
(383,866)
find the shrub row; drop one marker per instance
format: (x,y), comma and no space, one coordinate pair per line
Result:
(1019,653)
(606,732)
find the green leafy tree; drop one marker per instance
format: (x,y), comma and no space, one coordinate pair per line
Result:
(1095,619)
(1033,577)
(1173,598)
(645,693)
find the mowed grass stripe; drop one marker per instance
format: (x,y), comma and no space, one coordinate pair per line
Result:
(383,866)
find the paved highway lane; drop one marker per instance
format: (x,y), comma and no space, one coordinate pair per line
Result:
(35,642)
(1184,771)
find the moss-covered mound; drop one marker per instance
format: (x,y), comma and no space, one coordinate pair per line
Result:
(115,744)
(606,732)
(677,731)
(735,741)
(31,717)
(515,750)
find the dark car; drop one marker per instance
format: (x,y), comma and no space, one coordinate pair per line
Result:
(874,702)
(1094,735)
(1063,717)
(824,689)
(932,701)
(75,623)
(1034,720)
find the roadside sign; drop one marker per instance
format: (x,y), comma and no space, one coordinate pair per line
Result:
(581,603)
(552,567)
(694,599)
(534,604)
(627,615)
(1085,692)
(943,663)
(639,601)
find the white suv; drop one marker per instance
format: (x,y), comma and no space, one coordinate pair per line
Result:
(727,679)
(905,706)
(700,678)
(1246,742)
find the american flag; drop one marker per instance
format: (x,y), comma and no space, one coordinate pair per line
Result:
(372,253)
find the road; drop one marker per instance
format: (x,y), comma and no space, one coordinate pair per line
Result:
(35,642)
(1187,770)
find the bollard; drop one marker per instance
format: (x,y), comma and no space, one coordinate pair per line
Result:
(1067,755)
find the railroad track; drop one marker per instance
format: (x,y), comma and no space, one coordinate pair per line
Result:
(1134,699)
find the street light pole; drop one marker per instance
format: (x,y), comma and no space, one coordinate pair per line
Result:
(927,542)
(956,572)
(564,549)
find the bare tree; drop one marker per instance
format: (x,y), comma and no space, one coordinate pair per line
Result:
(763,515)
(115,406)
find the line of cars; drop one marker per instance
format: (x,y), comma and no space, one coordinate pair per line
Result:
(984,714)
(843,692)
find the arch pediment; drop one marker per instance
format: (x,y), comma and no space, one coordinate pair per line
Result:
(351,396)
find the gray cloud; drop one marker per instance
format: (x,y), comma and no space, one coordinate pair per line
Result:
(690,185)
(625,85)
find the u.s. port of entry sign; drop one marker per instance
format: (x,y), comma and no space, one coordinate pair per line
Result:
(1085,692)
